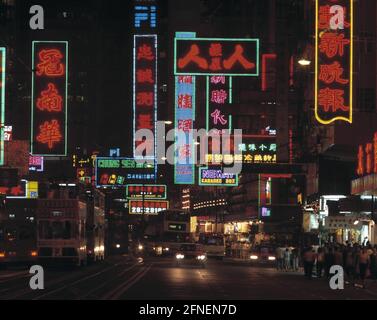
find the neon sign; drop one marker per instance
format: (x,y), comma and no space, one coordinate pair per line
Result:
(216,177)
(148,206)
(367,158)
(143,14)
(334,61)
(184,170)
(2,102)
(150,191)
(118,172)
(253,149)
(204,56)
(49,98)
(145,85)
(36,163)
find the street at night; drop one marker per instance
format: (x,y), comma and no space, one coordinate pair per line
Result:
(220,151)
(124,279)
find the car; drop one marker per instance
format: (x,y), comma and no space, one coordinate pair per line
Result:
(191,253)
(263,254)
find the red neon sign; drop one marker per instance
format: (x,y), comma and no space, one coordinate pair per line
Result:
(217,56)
(145,84)
(49,102)
(334,55)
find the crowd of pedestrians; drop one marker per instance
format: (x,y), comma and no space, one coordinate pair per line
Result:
(359,262)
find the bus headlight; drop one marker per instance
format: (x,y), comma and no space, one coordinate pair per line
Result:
(201,257)
(271,258)
(179,256)
(2,254)
(254,257)
(140,247)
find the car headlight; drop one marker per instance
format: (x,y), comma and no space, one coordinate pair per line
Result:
(140,247)
(254,257)
(166,249)
(201,257)
(179,256)
(271,258)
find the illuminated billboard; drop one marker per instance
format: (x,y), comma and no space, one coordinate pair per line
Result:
(206,56)
(184,169)
(253,149)
(49,98)
(334,61)
(145,86)
(36,163)
(2,101)
(119,172)
(216,177)
(148,191)
(148,206)
(367,158)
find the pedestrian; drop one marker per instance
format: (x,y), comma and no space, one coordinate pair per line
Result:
(363,265)
(338,257)
(287,259)
(320,262)
(349,264)
(329,261)
(309,258)
(373,264)
(280,258)
(295,259)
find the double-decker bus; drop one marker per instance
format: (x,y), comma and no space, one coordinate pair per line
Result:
(18,241)
(168,230)
(61,231)
(95,226)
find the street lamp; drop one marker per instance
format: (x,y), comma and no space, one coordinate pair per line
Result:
(168,122)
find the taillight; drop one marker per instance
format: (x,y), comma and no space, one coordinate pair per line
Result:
(2,254)
(34,253)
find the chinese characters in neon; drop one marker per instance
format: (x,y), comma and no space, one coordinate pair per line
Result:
(334,61)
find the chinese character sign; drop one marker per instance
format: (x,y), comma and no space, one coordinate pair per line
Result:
(184,122)
(36,163)
(148,206)
(3,134)
(334,61)
(253,149)
(367,158)
(49,98)
(218,96)
(145,85)
(119,172)
(146,191)
(198,56)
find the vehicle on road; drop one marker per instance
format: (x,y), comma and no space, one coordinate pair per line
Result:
(191,253)
(263,254)
(167,231)
(18,236)
(213,244)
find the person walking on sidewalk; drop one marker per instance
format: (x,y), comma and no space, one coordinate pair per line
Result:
(309,258)
(287,259)
(363,265)
(320,262)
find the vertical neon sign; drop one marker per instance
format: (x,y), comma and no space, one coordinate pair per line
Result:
(185,96)
(145,86)
(334,61)
(49,98)
(2,101)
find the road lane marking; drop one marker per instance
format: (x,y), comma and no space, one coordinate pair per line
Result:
(118,291)
(107,282)
(76,282)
